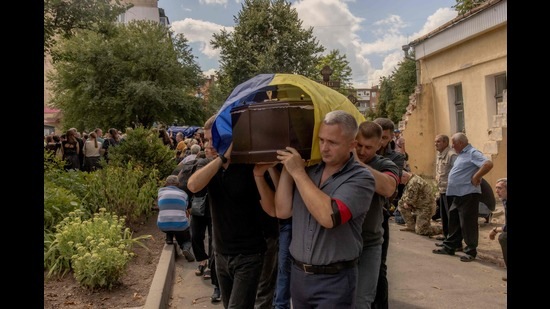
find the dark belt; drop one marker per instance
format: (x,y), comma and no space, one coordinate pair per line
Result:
(333,268)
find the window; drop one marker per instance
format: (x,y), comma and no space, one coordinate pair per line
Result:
(459,109)
(500,86)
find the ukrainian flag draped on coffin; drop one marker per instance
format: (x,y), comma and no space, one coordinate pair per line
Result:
(290,87)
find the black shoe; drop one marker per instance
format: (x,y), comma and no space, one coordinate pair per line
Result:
(440,238)
(169,242)
(440,244)
(443,250)
(467,258)
(216,297)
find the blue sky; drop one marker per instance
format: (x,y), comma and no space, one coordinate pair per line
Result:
(369,32)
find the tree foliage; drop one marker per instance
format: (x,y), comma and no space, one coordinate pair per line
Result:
(130,74)
(463,6)
(395,91)
(63,17)
(215,99)
(340,69)
(268,38)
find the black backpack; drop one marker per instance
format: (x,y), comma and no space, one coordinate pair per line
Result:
(187,169)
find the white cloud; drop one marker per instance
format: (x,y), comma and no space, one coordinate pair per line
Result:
(199,31)
(336,28)
(389,64)
(222,2)
(209,72)
(388,36)
(438,18)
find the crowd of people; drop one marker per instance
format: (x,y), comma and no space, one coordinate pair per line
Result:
(285,234)
(82,151)
(349,196)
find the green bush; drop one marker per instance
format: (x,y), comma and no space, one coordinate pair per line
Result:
(58,202)
(52,163)
(124,190)
(127,191)
(97,249)
(73,180)
(142,147)
(80,234)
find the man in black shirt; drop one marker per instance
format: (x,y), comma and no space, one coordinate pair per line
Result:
(381,299)
(239,243)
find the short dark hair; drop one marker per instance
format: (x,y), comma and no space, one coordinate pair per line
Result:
(370,129)
(385,123)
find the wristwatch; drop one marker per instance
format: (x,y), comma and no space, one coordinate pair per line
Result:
(224,159)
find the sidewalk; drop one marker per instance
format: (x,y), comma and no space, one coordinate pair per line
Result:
(487,249)
(175,285)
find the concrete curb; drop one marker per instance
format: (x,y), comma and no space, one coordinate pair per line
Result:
(161,287)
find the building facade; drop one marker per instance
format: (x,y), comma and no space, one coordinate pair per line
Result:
(462,69)
(365,99)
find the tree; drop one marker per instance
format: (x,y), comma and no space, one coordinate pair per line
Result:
(63,17)
(215,98)
(404,83)
(385,97)
(268,38)
(128,75)
(340,69)
(463,6)
(395,91)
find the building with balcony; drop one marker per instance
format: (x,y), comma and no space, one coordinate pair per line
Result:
(364,98)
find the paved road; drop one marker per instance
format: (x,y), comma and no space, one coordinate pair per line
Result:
(418,279)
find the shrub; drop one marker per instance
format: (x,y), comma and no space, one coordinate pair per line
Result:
(97,249)
(58,202)
(52,163)
(73,180)
(143,147)
(127,191)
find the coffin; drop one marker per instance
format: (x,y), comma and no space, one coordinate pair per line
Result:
(260,129)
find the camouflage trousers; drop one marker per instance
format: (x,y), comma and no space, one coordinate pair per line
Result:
(419,220)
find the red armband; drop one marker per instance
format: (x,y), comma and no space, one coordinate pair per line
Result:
(340,212)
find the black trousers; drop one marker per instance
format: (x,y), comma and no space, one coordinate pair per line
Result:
(463,216)
(444,204)
(503,241)
(183,238)
(381,298)
(199,226)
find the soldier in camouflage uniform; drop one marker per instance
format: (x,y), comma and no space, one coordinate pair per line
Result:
(417,205)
